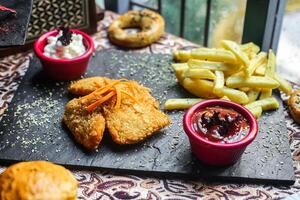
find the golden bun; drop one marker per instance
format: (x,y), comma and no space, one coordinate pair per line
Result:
(37,180)
(152,26)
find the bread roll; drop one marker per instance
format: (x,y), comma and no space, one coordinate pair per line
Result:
(37,180)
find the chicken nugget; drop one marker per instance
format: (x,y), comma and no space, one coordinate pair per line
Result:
(87,127)
(136,119)
(88,85)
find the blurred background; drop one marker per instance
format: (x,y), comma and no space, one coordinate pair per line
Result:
(226,17)
(268,23)
(226,21)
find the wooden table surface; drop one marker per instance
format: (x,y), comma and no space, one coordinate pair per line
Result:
(109,185)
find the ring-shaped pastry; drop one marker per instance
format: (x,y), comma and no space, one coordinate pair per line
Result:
(150,23)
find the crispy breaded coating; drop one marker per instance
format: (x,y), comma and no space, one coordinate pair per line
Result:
(135,120)
(87,127)
(88,85)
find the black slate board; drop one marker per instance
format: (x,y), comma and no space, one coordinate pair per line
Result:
(13,28)
(31,129)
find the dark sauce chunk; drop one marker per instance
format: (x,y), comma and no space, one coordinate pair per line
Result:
(221,125)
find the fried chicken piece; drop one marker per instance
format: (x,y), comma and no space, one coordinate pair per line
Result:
(87,127)
(88,85)
(135,120)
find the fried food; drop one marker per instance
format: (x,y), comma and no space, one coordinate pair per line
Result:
(200,73)
(269,103)
(294,105)
(86,127)
(203,64)
(236,50)
(252,82)
(87,85)
(151,24)
(257,61)
(124,107)
(136,119)
(256,111)
(219,81)
(37,180)
(207,54)
(239,72)
(182,103)
(199,87)
(284,85)
(233,94)
(253,95)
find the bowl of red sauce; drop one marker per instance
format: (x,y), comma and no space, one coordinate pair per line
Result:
(64,68)
(219,131)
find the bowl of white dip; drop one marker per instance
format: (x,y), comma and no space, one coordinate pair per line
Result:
(64,53)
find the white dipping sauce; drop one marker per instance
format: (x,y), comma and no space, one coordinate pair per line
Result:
(55,49)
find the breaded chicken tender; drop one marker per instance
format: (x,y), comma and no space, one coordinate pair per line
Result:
(87,85)
(131,113)
(87,127)
(136,119)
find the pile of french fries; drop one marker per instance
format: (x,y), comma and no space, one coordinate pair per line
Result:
(239,73)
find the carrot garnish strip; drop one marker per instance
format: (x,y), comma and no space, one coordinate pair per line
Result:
(130,96)
(101,90)
(92,106)
(108,87)
(97,84)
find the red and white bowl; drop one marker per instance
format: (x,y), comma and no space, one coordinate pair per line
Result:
(213,153)
(64,69)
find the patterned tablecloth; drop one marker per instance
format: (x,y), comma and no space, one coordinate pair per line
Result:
(109,185)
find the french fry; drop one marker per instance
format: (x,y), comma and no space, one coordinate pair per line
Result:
(236,50)
(265,93)
(269,103)
(219,55)
(198,87)
(202,64)
(285,86)
(179,104)
(240,73)
(245,89)
(251,82)
(253,95)
(182,55)
(271,65)
(260,70)
(233,94)
(250,47)
(237,73)
(258,60)
(225,98)
(200,74)
(180,68)
(219,81)
(270,72)
(256,111)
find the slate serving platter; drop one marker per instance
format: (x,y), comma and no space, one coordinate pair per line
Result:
(31,129)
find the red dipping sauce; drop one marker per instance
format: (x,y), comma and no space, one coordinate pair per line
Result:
(221,125)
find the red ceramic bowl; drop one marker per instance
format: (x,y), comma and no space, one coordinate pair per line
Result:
(212,153)
(64,69)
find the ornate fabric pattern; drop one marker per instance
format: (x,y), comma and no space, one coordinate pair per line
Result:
(50,14)
(109,185)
